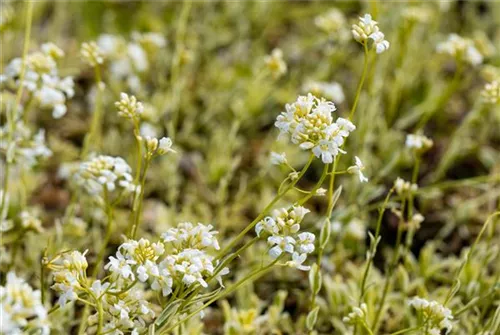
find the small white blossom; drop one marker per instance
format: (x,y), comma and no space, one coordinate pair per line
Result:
(358,169)
(297,262)
(278,159)
(275,63)
(460,48)
(436,315)
(367,30)
(418,142)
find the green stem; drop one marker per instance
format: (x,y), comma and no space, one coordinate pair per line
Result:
(361,82)
(138,211)
(265,211)
(254,276)
(93,137)
(392,267)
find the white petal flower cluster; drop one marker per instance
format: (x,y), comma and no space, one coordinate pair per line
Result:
(418,142)
(491,93)
(278,159)
(69,275)
(332,91)
(126,313)
(187,261)
(129,107)
(332,22)
(91,53)
(309,123)
(461,48)
(403,187)
(159,147)
(436,315)
(42,80)
(357,315)
(105,173)
(25,149)
(358,168)
(367,32)
(128,60)
(283,231)
(21,308)
(275,63)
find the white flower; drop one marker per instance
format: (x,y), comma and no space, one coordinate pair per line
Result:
(436,315)
(21,309)
(91,53)
(165,146)
(120,266)
(278,159)
(268,225)
(187,235)
(460,48)
(357,169)
(281,244)
(275,63)
(367,28)
(403,187)
(297,262)
(357,314)
(129,107)
(418,142)
(309,123)
(332,91)
(305,243)
(99,288)
(491,93)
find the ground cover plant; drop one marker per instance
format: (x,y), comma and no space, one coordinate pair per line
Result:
(238,167)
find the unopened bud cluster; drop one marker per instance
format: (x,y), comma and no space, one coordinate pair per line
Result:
(91,53)
(367,32)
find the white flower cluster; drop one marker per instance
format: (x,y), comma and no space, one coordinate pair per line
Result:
(460,48)
(129,107)
(491,93)
(403,187)
(275,63)
(127,61)
(418,142)
(159,147)
(436,316)
(367,31)
(91,53)
(25,148)
(69,275)
(42,80)
(187,261)
(332,91)
(21,308)
(105,173)
(357,315)
(283,229)
(332,22)
(309,123)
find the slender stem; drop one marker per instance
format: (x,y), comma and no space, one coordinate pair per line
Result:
(361,82)
(100,317)
(373,248)
(468,256)
(107,237)
(264,212)
(390,271)
(253,276)
(95,126)
(138,211)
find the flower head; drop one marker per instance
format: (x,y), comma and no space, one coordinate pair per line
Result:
(358,168)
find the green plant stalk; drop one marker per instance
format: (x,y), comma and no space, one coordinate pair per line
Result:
(390,272)
(373,249)
(11,119)
(254,276)
(361,82)
(175,65)
(100,259)
(411,230)
(140,201)
(95,126)
(452,289)
(226,249)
